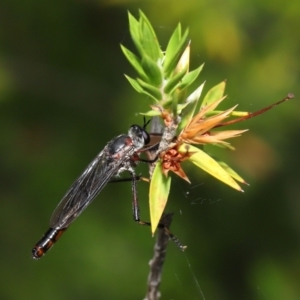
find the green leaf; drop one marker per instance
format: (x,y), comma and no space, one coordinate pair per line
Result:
(188,79)
(134,28)
(188,108)
(234,113)
(237,113)
(173,44)
(135,62)
(173,54)
(134,83)
(140,89)
(148,95)
(149,40)
(209,165)
(184,60)
(158,195)
(231,172)
(152,70)
(225,146)
(214,94)
(175,80)
(155,92)
(174,103)
(151,113)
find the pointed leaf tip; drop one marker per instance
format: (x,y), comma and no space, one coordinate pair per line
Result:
(211,166)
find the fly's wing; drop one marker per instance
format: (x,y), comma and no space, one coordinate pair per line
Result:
(86,188)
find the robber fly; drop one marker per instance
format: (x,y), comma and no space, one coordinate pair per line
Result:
(120,154)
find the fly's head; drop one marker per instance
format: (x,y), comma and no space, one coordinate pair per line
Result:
(139,136)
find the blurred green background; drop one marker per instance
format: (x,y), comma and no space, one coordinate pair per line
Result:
(63,96)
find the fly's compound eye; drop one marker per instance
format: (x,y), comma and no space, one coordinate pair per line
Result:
(138,131)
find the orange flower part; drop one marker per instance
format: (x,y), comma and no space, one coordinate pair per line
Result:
(197,130)
(171,160)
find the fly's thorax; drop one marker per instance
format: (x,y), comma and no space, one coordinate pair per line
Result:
(139,136)
(118,144)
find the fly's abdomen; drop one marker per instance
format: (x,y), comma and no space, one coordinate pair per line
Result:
(46,242)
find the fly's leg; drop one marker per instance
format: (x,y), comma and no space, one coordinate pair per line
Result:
(135,202)
(149,161)
(172,237)
(136,214)
(137,178)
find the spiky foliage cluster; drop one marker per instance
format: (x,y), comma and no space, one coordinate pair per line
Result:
(164,77)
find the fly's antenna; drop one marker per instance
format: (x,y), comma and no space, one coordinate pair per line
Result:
(146,123)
